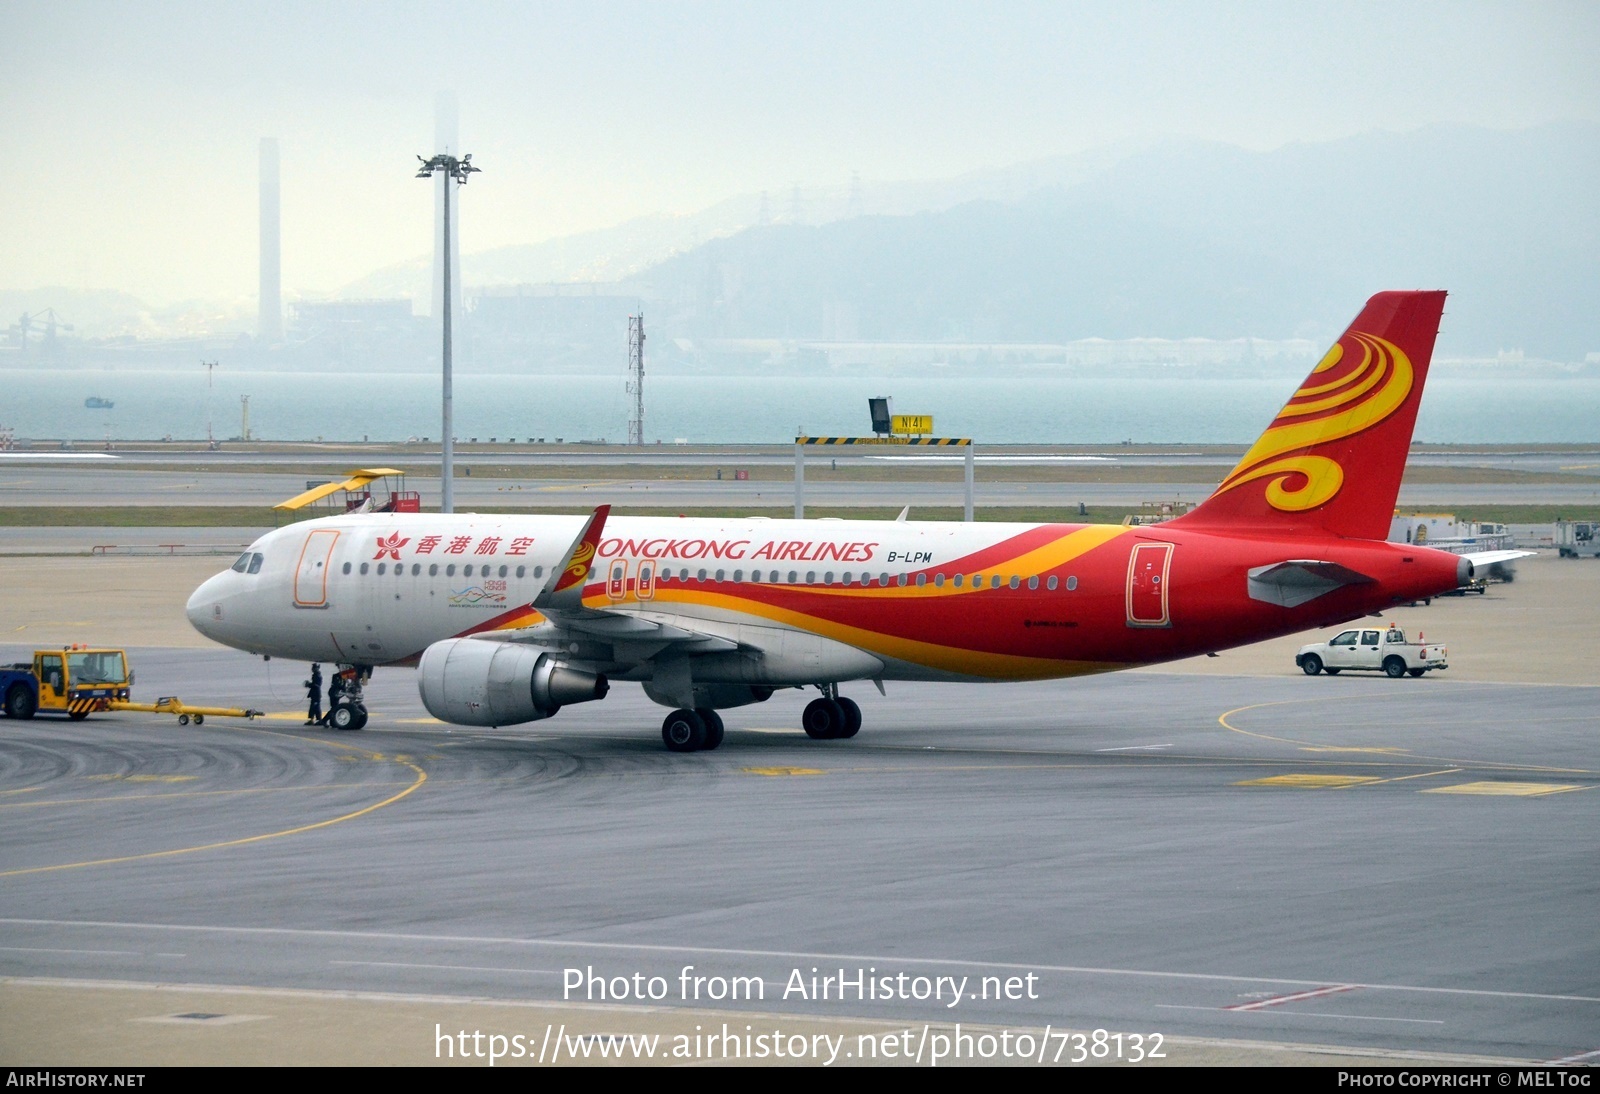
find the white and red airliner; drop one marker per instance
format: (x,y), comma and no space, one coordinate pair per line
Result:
(510,618)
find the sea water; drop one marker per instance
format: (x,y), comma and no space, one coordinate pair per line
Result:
(1461,406)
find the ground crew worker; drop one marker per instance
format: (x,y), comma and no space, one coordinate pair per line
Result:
(314,693)
(336,690)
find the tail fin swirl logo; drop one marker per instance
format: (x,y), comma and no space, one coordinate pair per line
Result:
(1339,399)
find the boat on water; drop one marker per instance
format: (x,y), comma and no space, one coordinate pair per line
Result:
(95,402)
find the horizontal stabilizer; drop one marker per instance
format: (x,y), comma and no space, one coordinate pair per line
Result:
(1480,559)
(1293,583)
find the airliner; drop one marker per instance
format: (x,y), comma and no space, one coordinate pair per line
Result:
(507,618)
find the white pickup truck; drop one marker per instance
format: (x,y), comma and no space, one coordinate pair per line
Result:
(1371,649)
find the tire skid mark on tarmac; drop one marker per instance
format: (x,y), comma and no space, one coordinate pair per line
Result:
(236,755)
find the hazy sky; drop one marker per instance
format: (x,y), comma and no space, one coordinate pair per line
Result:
(134,126)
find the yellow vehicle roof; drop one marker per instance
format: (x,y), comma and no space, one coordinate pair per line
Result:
(358,478)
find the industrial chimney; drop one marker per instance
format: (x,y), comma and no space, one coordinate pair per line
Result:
(270,325)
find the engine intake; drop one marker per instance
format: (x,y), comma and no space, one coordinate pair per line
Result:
(473,682)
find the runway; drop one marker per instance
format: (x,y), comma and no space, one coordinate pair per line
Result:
(71,486)
(1384,866)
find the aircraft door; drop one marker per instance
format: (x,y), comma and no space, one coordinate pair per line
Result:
(617,580)
(1148,566)
(311,575)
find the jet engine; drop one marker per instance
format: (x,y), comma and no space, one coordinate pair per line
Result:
(473,682)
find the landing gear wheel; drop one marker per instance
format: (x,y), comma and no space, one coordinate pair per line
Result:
(20,702)
(852,717)
(823,719)
(1418,672)
(1394,667)
(1311,664)
(347,717)
(683,731)
(77,715)
(183,719)
(714,730)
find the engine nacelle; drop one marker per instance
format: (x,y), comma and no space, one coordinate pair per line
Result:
(473,682)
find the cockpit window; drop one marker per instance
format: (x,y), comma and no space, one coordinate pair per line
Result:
(255,564)
(243,561)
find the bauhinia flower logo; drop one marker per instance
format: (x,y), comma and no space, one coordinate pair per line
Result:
(390,547)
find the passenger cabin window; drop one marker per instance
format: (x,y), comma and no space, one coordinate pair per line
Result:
(1051,584)
(346,567)
(364,566)
(1072,584)
(1033,582)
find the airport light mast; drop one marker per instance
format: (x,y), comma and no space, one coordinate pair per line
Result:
(457,169)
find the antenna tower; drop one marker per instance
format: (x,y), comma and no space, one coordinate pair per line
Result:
(636,377)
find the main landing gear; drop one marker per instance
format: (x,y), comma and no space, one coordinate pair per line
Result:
(692,730)
(831,717)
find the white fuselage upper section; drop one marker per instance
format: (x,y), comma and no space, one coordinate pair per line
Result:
(380,588)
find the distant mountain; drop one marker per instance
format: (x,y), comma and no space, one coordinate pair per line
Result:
(627,249)
(1193,239)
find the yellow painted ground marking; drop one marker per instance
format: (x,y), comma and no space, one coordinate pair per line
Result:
(1225,715)
(418,721)
(1579,466)
(23,790)
(142,778)
(1311,782)
(1403,778)
(1504,789)
(1337,748)
(422,777)
(777,771)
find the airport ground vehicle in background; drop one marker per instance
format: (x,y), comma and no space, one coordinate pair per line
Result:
(1372,649)
(1576,538)
(74,680)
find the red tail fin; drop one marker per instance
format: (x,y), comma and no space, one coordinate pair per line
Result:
(1332,460)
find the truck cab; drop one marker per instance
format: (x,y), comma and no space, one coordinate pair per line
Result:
(73,680)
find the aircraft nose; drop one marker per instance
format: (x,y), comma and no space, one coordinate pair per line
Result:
(205,607)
